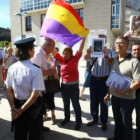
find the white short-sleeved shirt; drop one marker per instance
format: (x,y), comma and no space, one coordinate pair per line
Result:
(24,78)
(39,58)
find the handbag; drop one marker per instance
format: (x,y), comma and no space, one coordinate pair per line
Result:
(52,85)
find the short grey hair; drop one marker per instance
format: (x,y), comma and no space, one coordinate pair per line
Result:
(124,38)
(47,42)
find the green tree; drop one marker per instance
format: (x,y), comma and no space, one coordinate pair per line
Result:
(2,43)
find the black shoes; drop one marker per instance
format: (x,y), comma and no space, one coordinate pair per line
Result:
(77,126)
(64,122)
(104,126)
(91,123)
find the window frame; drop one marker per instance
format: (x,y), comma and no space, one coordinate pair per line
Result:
(28,23)
(42,17)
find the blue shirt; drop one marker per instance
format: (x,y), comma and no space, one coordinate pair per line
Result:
(100,67)
(1,57)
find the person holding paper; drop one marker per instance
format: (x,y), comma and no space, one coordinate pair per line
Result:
(135,51)
(123,100)
(98,88)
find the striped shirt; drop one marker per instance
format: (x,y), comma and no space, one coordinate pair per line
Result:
(100,67)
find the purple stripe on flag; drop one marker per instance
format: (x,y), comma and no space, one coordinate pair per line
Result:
(55,30)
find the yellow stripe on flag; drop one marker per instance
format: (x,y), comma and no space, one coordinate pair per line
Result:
(67,19)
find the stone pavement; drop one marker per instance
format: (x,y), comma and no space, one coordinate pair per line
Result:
(58,132)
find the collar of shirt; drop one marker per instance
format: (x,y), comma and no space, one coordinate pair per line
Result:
(43,52)
(127,57)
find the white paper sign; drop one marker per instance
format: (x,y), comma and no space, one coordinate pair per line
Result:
(97,45)
(116,79)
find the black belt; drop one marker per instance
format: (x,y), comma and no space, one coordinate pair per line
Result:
(100,78)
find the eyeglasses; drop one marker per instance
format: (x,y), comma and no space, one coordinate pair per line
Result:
(119,43)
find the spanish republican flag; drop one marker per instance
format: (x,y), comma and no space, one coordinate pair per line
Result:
(62,23)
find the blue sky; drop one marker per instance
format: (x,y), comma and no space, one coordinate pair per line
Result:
(4,14)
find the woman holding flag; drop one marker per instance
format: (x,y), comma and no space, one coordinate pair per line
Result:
(70,82)
(62,23)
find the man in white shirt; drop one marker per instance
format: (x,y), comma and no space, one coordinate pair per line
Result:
(39,59)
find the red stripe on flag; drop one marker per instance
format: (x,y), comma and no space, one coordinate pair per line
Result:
(70,8)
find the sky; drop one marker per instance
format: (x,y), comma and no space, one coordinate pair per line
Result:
(4,14)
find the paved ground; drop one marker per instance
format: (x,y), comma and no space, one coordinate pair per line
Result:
(57,131)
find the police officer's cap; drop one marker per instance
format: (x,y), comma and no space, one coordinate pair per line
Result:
(28,42)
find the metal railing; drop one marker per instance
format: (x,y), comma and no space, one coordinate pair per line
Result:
(31,5)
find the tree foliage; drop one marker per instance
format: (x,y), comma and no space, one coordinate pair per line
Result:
(2,43)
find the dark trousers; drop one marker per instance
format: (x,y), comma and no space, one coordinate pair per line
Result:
(98,91)
(49,101)
(137,107)
(71,92)
(122,111)
(27,127)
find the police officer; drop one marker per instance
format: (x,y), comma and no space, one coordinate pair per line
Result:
(23,93)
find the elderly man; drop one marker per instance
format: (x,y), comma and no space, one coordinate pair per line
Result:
(123,100)
(39,59)
(135,51)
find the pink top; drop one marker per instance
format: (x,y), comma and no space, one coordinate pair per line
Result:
(69,69)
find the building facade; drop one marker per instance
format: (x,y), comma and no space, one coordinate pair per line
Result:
(111,15)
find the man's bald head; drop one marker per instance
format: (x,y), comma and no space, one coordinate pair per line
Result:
(48,45)
(48,41)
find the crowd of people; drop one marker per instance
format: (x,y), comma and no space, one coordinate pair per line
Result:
(29,100)
(6,60)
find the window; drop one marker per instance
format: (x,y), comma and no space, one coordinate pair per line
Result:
(115,18)
(113,10)
(29,5)
(80,13)
(42,18)
(28,23)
